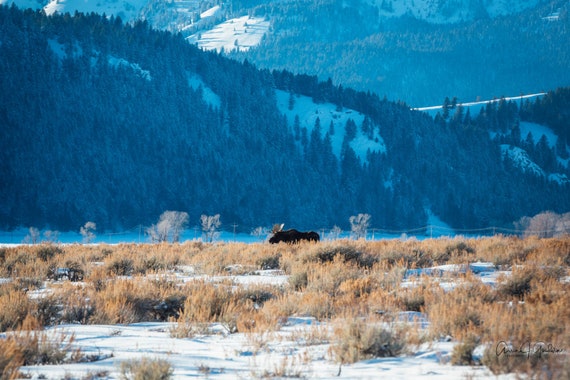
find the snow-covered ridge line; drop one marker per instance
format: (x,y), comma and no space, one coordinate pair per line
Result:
(482,102)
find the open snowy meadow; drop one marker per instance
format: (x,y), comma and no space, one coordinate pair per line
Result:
(440,308)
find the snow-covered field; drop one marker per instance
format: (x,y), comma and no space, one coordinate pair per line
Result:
(295,350)
(397,309)
(237,356)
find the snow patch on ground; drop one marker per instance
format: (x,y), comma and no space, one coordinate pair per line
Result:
(308,111)
(214,11)
(240,33)
(537,131)
(521,160)
(209,96)
(116,62)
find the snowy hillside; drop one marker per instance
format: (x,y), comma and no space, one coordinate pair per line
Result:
(450,11)
(240,33)
(518,155)
(127,9)
(308,111)
(522,161)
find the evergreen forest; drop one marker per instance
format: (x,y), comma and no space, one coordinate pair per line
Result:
(102,121)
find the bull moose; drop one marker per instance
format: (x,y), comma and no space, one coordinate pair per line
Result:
(292,235)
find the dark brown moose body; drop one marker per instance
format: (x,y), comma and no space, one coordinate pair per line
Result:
(293,236)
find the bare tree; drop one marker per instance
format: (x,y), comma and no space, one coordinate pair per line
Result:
(87,231)
(33,236)
(171,224)
(542,225)
(51,236)
(335,232)
(563,225)
(210,225)
(260,232)
(359,225)
(545,225)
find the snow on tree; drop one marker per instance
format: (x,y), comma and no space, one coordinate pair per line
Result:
(210,225)
(171,223)
(87,231)
(359,225)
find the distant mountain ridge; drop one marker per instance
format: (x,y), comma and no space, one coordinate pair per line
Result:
(434,11)
(451,11)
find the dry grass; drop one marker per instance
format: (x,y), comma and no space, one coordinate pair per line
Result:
(344,282)
(146,369)
(30,345)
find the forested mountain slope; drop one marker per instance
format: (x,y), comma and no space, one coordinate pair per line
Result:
(406,58)
(115,123)
(417,51)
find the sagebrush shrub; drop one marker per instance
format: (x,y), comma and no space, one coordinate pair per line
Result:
(146,369)
(15,305)
(10,359)
(357,339)
(462,353)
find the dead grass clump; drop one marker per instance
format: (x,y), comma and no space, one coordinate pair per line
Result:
(129,300)
(268,262)
(407,256)
(358,288)
(280,308)
(319,305)
(298,281)
(15,305)
(214,259)
(47,252)
(459,251)
(462,353)
(16,261)
(74,305)
(47,310)
(121,266)
(205,301)
(327,277)
(412,299)
(146,369)
(10,359)
(356,339)
(394,257)
(517,284)
(208,302)
(455,313)
(37,347)
(345,252)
